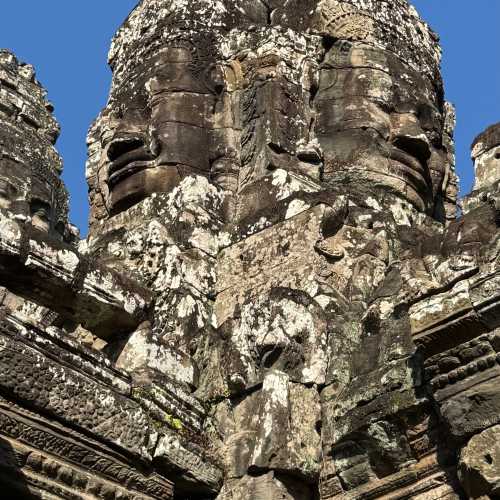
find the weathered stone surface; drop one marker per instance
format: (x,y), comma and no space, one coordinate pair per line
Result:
(474,409)
(479,467)
(45,458)
(57,276)
(486,156)
(193,473)
(269,486)
(276,428)
(277,297)
(424,481)
(61,392)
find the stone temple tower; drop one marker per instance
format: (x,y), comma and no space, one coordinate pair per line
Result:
(31,190)
(30,166)
(277,298)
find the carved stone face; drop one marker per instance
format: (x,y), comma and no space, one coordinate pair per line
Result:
(31,188)
(381,122)
(159,127)
(348,113)
(33,196)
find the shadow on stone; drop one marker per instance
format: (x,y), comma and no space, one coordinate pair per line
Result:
(12,480)
(438,434)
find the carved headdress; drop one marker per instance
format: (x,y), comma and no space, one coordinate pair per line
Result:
(392,25)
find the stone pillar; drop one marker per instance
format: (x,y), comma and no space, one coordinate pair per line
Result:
(486,157)
(69,426)
(457,329)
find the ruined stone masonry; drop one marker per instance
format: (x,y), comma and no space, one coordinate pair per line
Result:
(278,298)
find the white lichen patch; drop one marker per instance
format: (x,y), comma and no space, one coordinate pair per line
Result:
(296,207)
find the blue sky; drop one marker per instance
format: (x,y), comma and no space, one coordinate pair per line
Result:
(471,70)
(67,41)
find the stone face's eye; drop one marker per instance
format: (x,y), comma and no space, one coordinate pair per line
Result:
(497,155)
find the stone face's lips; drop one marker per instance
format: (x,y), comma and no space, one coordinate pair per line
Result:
(128,164)
(411,170)
(127,171)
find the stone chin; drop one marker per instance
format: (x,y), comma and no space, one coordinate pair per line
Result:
(402,181)
(388,168)
(412,178)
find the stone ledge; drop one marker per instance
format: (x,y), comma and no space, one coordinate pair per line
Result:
(425,477)
(24,428)
(469,310)
(66,395)
(55,275)
(57,345)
